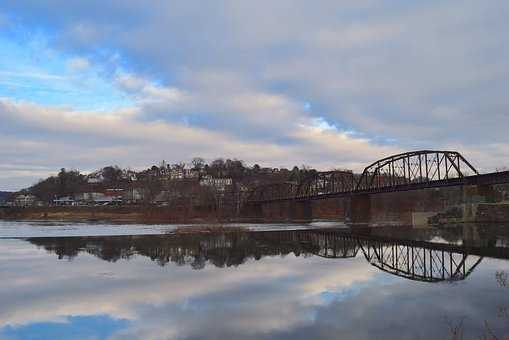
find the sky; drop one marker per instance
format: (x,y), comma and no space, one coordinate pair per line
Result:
(330,84)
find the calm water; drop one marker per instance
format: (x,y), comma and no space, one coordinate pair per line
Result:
(237,283)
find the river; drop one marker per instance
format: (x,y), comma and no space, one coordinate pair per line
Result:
(275,281)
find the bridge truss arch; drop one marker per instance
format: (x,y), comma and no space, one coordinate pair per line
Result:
(324,183)
(410,170)
(416,167)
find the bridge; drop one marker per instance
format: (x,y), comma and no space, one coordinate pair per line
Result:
(402,172)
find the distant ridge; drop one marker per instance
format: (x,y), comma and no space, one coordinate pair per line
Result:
(4,195)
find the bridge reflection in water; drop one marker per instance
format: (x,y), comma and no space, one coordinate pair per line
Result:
(420,263)
(420,260)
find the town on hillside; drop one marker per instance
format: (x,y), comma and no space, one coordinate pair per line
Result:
(220,184)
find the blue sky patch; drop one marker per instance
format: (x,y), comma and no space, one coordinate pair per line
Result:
(30,70)
(77,327)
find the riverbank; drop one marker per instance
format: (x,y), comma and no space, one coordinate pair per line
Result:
(122,214)
(463,213)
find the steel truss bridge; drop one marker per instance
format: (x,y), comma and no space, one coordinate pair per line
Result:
(402,172)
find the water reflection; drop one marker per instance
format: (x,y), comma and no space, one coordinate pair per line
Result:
(415,255)
(320,284)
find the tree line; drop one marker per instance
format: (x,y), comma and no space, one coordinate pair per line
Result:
(155,178)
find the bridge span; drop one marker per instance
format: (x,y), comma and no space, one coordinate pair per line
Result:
(402,172)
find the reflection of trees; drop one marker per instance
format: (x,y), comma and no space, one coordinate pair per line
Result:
(411,259)
(222,249)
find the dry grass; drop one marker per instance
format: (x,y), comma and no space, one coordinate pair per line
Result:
(214,228)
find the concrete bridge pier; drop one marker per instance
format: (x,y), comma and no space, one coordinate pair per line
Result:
(479,194)
(358,210)
(253,210)
(474,196)
(488,192)
(301,211)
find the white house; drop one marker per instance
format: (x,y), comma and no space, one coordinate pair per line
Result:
(25,200)
(63,201)
(220,184)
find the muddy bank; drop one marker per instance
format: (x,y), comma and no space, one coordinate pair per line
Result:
(131,214)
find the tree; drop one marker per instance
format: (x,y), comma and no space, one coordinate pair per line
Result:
(151,188)
(198,163)
(163,164)
(112,174)
(217,168)
(66,183)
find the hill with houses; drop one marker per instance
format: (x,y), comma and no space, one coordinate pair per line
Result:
(220,184)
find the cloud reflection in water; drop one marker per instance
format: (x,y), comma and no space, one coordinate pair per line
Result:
(257,293)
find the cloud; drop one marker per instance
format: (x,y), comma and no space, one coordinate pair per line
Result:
(78,64)
(56,137)
(139,290)
(400,76)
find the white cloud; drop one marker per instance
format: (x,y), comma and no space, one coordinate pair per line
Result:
(139,291)
(78,64)
(55,137)
(419,75)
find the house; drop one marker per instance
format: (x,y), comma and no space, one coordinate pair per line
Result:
(220,184)
(95,177)
(109,196)
(115,193)
(134,195)
(94,180)
(25,200)
(130,175)
(88,197)
(64,201)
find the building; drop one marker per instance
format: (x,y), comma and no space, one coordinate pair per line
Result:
(64,201)
(110,196)
(114,193)
(88,197)
(220,184)
(134,195)
(25,200)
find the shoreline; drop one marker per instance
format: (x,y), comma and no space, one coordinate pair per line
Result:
(131,214)
(126,214)
(467,213)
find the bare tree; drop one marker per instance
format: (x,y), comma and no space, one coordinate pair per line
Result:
(198,163)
